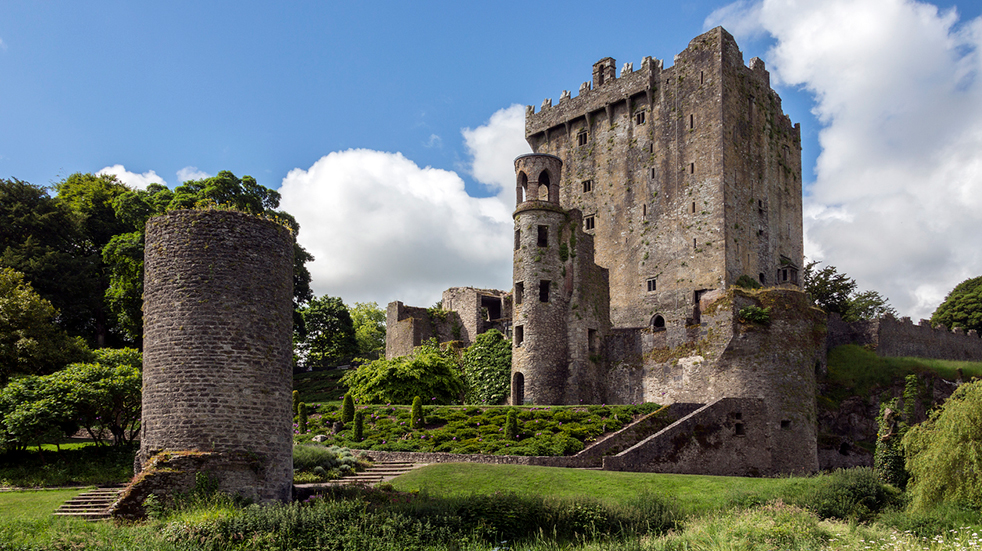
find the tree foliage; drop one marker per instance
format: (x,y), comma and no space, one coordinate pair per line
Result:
(836,293)
(487,369)
(962,307)
(944,453)
(327,338)
(101,395)
(428,372)
(30,342)
(369,322)
(83,249)
(41,238)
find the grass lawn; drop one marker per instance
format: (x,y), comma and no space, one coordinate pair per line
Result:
(33,504)
(693,493)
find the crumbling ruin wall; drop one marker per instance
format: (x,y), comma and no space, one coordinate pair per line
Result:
(407,327)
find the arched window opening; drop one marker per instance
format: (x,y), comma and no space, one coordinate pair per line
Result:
(544,186)
(522,188)
(658,323)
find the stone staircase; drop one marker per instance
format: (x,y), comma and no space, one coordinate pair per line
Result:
(379,472)
(90,505)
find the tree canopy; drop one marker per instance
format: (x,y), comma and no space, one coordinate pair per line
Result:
(962,307)
(82,250)
(429,372)
(943,453)
(103,395)
(369,322)
(327,336)
(836,293)
(30,342)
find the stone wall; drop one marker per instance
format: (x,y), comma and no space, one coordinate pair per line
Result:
(407,327)
(728,437)
(891,337)
(217,358)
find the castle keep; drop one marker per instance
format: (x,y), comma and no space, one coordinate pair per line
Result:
(652,201)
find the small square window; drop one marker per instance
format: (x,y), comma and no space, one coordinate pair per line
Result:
(785,424)
(581,138)
(587,186)
(639,117)
(652,285)
(588,222)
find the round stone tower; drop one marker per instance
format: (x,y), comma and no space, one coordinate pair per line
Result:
(217,375)
(539,344)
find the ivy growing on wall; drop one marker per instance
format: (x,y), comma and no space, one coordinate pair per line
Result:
(487,369)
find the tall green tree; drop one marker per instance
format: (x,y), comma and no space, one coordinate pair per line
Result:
(328,335)
(837,293)
(41,238)
(94,396)
(962,307)
(369,322)
(30,342)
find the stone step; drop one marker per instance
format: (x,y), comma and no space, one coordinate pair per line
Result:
(90,505)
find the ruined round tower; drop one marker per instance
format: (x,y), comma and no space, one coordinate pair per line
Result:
(217,375)
(539,353)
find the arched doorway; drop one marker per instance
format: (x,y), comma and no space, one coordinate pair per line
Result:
(517,389)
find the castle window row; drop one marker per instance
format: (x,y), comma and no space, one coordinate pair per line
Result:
(587,186)
(639,117)
(652,284)
(581,139)
(588,223)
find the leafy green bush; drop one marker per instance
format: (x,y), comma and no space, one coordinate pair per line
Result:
(359,426)
(755,314)
(849,494)
(486,368)
(416,417)
(347,409)
(302,418)
(747,282)
(316,463)
(428,372)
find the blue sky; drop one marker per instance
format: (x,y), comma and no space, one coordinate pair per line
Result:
(389,127)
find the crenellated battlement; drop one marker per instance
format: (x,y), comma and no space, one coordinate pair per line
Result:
(605,89)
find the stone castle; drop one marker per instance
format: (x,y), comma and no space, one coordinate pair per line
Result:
(652,201)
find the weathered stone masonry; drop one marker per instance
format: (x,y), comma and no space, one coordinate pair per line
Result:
(217,372)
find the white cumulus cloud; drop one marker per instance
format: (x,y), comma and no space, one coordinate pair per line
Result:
(897,84)
(382,228)
(132,179)
(191,173)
